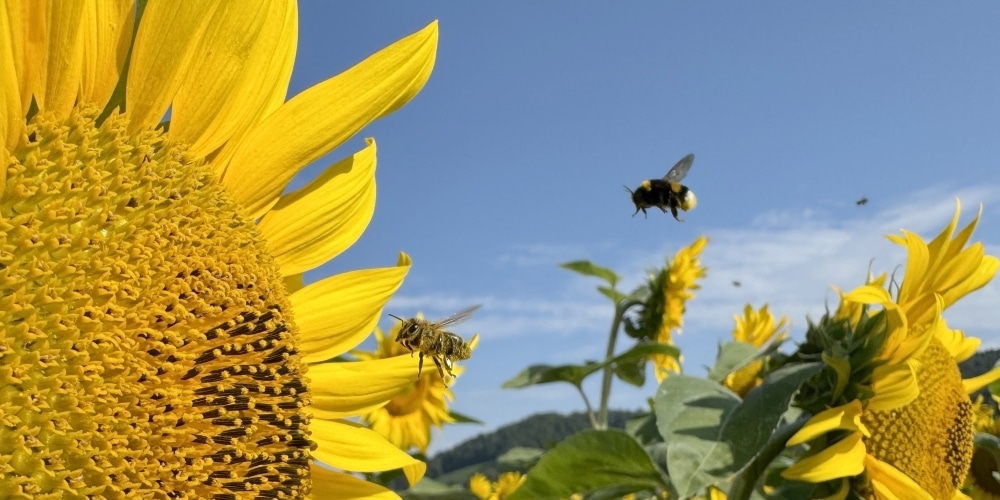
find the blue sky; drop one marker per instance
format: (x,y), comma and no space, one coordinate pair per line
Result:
(512,160)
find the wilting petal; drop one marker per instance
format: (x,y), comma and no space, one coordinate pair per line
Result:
(356,391)
(324,116)
(242,78)
(331,485)
(917,260)
(350,446)
(169,37)
(318,222)
(337,313)
(894,385)
(843,459)
(843,417)
(889,483)
(975,383)
(105,38)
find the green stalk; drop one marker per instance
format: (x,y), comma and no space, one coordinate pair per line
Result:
(620,309)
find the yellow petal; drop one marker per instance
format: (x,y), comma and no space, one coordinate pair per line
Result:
(939,246)
(917,262)
(843,417)
(331,485)
(62,65)
(321,118)
(958,345)
(105,38)
(242,78)
(169,37)
(480,486)
(347,389)
(350,446)
(894,386)
(978,382)
(321,220)
(869,294)
(891,484)
(335,314)
(845,458)
(11,115)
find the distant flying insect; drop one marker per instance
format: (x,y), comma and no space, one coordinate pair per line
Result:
(862,202)
(667,192)
(432,340)
(737,284)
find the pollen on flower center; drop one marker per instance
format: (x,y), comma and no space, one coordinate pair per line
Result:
(147,343)
(933,430)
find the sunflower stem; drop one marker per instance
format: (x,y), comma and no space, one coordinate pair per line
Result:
(602,419)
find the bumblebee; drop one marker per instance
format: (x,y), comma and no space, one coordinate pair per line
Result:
(667,192)
(432,340)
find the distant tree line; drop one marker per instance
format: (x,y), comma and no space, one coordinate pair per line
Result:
(537,431)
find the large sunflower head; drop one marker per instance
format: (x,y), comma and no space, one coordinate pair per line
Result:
(407,418)
(898,422)
(150,344)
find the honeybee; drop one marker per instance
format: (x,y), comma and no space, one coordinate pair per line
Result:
(431,339)
(667,192)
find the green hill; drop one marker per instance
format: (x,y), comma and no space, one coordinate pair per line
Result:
(480,453)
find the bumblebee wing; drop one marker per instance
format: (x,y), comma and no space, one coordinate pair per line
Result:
(458,317)
(680,170)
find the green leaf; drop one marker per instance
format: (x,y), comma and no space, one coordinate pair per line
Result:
(751,424)
(732,356)
(711,433)
(429,489)
(631,371)
(690,413)
(589,461)
(612,294)
(588,268)
(544,374)
(519,458)
(644,350)
(463,419)
(643,429)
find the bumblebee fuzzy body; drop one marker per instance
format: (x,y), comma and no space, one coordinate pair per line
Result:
(431,339)
(666,193)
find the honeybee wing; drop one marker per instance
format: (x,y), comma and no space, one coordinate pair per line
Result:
(680,170)
(458,317)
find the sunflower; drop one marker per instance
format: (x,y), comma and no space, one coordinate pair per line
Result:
(505,485)
(407,418)
(671,288)
(758,329)
(156,332)
(901,422)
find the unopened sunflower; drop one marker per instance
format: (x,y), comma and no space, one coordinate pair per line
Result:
(893,419)
(149,343)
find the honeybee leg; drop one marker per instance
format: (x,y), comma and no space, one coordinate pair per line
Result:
(440,370)
(420,365)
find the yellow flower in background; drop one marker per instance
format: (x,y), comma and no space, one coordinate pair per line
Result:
(150,347)
(912,435)
(671,290)
(481,486)
(407,418)
(981,484)
(758,329)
